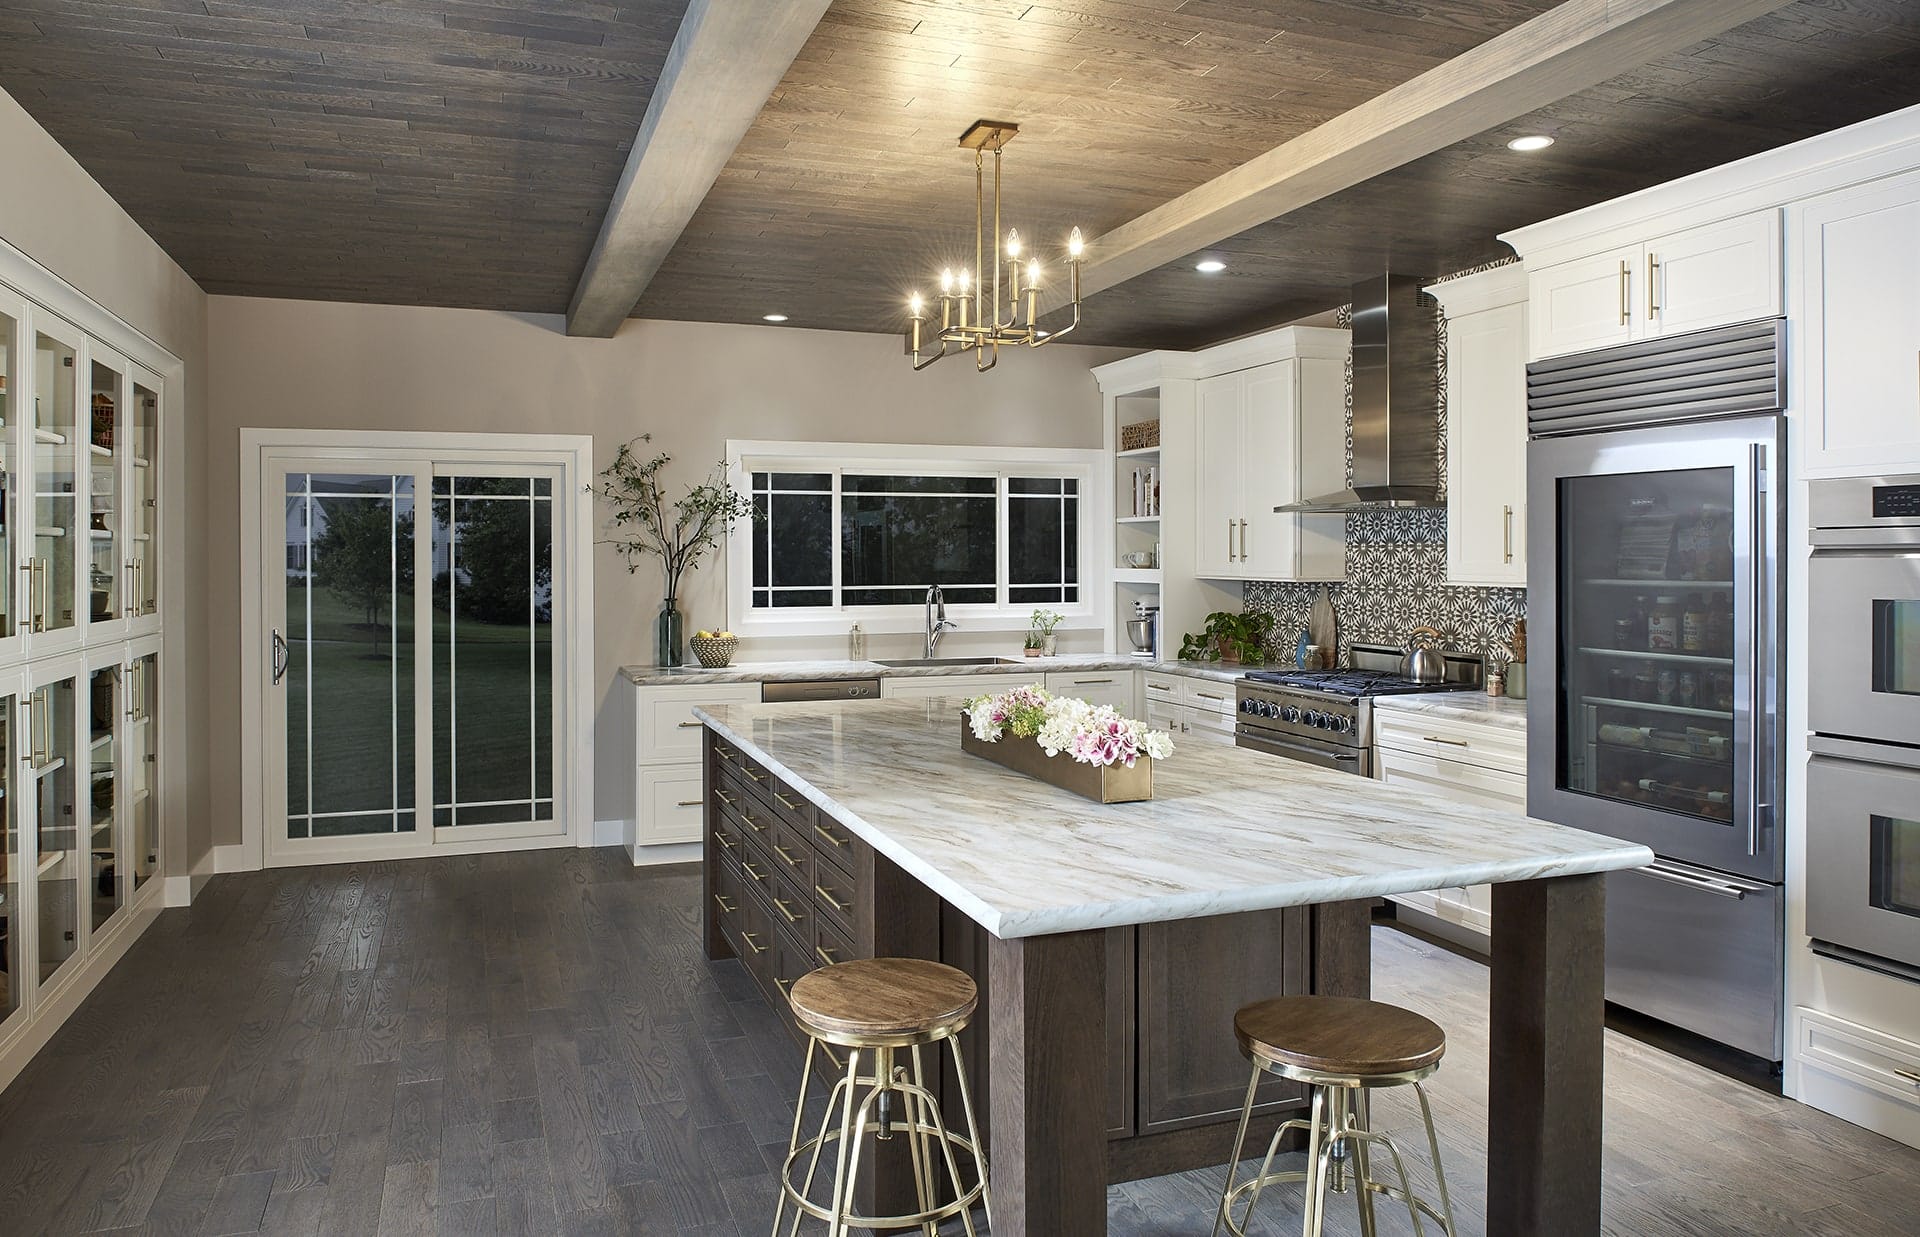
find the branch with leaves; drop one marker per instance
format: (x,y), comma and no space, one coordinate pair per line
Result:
(643,524)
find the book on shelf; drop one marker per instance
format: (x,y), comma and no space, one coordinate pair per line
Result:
(1146,491)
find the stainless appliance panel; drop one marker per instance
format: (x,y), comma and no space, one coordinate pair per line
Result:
(1326,756)
(1863,839)
(1699,949)
(797,691)
(1866,605)
(1704,783)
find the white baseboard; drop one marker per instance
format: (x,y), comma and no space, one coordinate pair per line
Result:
(674,852)
(233,857)
(53,1009)
(611,832)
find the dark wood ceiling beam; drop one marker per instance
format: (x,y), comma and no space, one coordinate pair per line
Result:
(1563,51)
(726,60)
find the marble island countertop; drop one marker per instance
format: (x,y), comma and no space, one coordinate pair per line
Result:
(1473,706)
(1228,829)
(789,671)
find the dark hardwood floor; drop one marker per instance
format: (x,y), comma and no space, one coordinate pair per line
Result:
(533,1044)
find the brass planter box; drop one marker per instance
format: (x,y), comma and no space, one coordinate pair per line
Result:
(1102,784)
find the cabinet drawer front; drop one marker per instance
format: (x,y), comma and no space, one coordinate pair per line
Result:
(1453,779)
(1491,747)
(1162,689)
(788,804)
(664,721)
(792,905)
(1096,687)
(793,856)
(833,844)
(1208,696)
(1874,1059)
(830,945)
(671,804)
(837,897)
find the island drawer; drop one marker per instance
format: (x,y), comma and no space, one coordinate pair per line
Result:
(836,895)
(833,843)
(793,856)
(830,945)
(756,876)
(792,906)
(727,842)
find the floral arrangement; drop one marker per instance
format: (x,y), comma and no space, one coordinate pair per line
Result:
(1090,734)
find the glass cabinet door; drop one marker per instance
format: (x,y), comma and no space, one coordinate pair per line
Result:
(12,318)
(59,858)
(143,497)
(104,565)
(13,862)
(138,788)
(105,876)
(55,441)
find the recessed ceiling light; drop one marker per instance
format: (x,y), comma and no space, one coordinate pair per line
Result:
(1212,266)
(1533,141)
(773,317)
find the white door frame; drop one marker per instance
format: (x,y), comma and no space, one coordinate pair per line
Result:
(573,649)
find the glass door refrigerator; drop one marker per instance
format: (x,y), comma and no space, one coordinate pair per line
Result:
(1656,501)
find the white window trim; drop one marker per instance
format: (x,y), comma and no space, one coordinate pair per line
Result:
(1083,465)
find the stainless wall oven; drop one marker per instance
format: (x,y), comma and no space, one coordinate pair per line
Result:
(1863,784)
(1655,592)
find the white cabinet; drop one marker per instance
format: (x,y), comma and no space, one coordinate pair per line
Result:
(1720,273)
(1097,687)
(1473,762)
(1267,435)
(667,745)
(1192,710)
(1858,252)
(959,686)
(1486,427)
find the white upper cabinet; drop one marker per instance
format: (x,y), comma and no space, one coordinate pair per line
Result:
(1719,273)
(1267,435)
(1858,314)
(1486,426)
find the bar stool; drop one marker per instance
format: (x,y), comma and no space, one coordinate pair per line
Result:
(874,1008)
(1342,1048)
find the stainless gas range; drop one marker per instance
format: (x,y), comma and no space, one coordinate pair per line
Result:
(1325,717)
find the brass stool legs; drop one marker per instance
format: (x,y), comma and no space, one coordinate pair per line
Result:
(1339,1120)
(850,1114)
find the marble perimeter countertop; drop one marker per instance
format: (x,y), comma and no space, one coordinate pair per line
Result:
(1473,706)
(1228,829)
(789,671)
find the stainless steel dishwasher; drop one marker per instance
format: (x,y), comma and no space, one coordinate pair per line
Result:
(793,691)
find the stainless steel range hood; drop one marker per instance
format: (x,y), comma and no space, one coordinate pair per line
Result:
(1396,401)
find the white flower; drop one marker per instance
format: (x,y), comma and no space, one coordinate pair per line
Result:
(1095,735)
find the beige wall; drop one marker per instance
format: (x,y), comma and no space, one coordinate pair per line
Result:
(314,365)
(56,214)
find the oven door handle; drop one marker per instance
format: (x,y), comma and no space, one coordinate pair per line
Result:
(1724,889)
(1313,755)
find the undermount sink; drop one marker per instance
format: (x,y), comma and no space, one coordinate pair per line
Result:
(910,662)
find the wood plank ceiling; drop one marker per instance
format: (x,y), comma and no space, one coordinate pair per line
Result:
(438,152)
(455,153)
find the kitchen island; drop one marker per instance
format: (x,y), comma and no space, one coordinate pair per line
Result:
(900,834)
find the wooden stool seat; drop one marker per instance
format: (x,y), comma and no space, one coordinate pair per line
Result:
(880,1002)
(1339,1036)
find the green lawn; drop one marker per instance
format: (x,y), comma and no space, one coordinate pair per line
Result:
(358,671)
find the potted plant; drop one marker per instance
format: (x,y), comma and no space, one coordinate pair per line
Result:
(642,525)
(1040,637)
(1089,749)
(1232,639)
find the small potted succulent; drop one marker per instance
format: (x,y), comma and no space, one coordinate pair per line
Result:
(1040,637)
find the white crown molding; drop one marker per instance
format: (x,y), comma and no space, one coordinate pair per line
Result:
(1482,290)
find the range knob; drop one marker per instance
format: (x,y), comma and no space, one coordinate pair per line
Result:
(1249,706)
(1311,717)
(1346,725)
(1290,714)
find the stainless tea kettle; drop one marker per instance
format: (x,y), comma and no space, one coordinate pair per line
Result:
(1424,664)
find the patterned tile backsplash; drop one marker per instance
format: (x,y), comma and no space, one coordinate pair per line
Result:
(1397,567)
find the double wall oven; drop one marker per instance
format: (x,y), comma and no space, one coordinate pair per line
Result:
(1655,501)
(1863,784)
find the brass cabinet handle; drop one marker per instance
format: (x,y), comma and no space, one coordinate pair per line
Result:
(826,954)
(786,856)
(748,937)
(725,842)
(830,900)
(780,904)
(1653,266)
(1229,540)
(1243,541)
(753,824)
(688,725)
(1090,682)
(829,836)
(1209,696)
(754,777)
(785,985)
(1912,1076)
(1626,274)
(785,802)
(724,797)
(1434,738)
(1508,517)
(1158,687)
(753,873)
(688,803)
(723,753)
(726,907)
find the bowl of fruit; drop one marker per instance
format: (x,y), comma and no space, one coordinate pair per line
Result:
(713,648)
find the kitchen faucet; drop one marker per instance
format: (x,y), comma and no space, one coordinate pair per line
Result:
(937,620)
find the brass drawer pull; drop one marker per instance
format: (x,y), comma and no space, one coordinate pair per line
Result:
(725,842)
(748,937)
(724,797)
(785,802)
(753,824)
(754,777)
(785,985)
(830,900)
(726,907)
(780,904)
(724,753)
(688,803)
(688,725)
(786,856)
(1090,682)
(830,836)
(1434,738)
(753,873)
(827,955)
(1209,696)
(1912,1076)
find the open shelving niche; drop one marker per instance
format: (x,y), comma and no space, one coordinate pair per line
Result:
(1135,532)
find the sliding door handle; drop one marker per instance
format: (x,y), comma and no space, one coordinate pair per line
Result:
(282,656)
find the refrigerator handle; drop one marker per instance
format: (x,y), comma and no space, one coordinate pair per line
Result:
(1759,716)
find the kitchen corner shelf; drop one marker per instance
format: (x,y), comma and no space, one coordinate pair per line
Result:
(1136,519)
(1137,575)
(1136,453)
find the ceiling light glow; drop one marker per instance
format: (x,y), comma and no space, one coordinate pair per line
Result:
(1212,266)
(1533,141)
(773,317)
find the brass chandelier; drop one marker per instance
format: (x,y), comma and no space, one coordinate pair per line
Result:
(970,308)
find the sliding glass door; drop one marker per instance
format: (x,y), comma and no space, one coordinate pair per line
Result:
(411,699)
